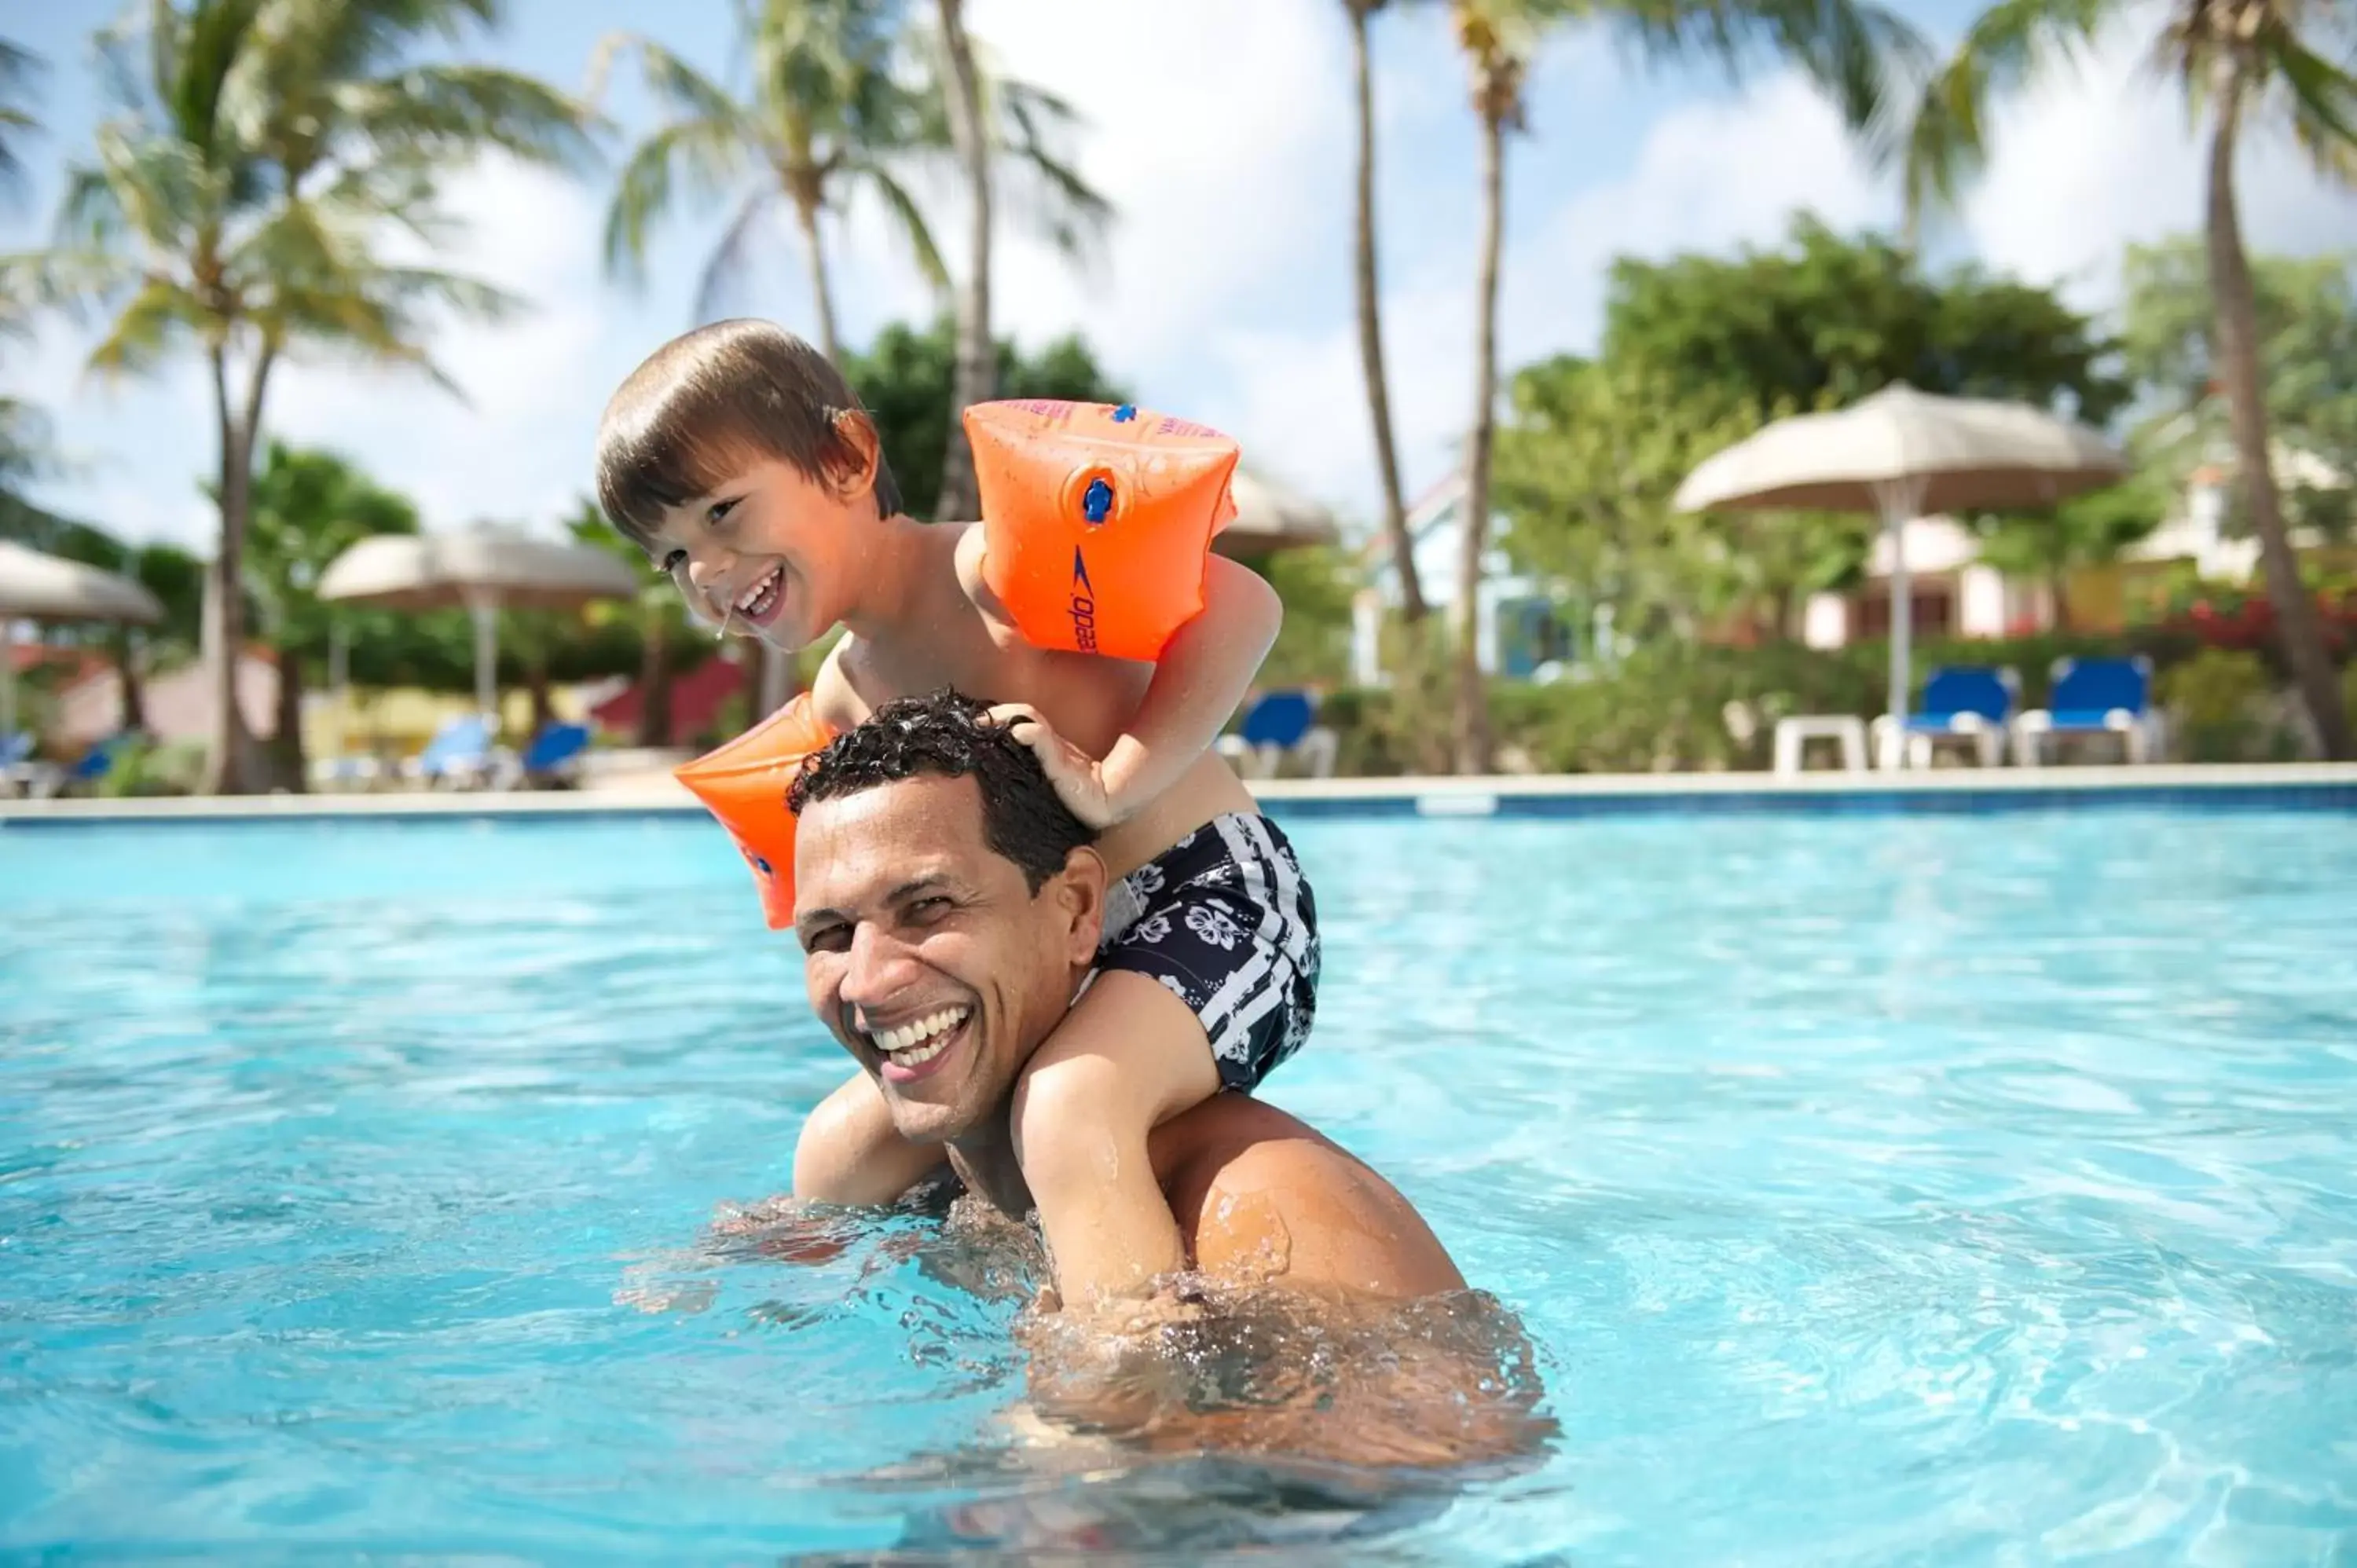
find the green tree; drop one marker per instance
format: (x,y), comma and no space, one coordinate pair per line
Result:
(310,507)
(904,377)
(1697,352)
(1848,48)
(1822,320)
(2089,530)
(1318,584)
(2306,311)
(2240,63)
(1367,298)
(236,202)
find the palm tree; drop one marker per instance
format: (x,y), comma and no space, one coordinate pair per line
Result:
(1371,335)
(990,119)
(829,110)
(845,97)
(970,377)
(1849,47)
(2238,60)
(258,150)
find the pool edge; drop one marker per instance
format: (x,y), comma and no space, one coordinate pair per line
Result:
(2325,787)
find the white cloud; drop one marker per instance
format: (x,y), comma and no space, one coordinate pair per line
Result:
(1219,129)
(2093,158)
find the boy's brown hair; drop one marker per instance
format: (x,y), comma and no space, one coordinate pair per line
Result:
(711,400)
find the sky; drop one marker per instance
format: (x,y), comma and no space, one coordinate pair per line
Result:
(1222,131)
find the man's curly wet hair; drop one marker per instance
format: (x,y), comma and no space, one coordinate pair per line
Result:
(946,735)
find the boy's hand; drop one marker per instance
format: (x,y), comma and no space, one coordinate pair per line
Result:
(1078,778)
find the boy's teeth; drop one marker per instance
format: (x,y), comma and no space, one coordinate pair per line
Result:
(758,592)
(921,1040)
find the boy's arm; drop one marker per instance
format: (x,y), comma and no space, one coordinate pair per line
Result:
(833,699)
(850,1154)
(1202,675)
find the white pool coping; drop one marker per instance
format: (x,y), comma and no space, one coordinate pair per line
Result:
(1431,797)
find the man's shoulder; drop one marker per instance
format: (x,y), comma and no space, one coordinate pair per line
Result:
(1261,1196)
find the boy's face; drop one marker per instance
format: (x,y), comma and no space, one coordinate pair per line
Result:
(769,550)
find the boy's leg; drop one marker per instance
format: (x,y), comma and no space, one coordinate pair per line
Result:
(850,1154)
(1129,1056)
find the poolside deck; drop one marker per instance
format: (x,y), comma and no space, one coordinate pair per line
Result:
(2313,786)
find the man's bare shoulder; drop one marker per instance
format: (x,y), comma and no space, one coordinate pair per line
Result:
(1262,1197)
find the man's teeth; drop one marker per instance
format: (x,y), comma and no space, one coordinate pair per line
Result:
(756,599)
(914,1043)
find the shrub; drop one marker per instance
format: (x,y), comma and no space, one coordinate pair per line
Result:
(2213,698)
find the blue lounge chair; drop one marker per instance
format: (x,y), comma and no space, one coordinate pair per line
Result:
(459,754)
(44,779)
(1280,724)
(2093,696)
(17,768)
(1970,702)
(553,757)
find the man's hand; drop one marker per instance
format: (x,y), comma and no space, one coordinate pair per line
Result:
(1078,778)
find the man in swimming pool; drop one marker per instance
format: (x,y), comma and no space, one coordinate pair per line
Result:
(939,878)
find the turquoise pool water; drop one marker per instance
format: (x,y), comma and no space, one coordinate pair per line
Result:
(1874,1191)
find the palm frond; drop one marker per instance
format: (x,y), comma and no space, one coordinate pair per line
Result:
(729,257)
(149,326)
(684,91)
(1936,131)
(2324,105)
(71,281)
(910,220)
(1053,197)
(18,68)
(453,111)
(707,154)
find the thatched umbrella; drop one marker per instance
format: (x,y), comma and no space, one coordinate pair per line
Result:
(38,588)
(1901,454)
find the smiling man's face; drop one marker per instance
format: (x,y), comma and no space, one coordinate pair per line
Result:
(928,954)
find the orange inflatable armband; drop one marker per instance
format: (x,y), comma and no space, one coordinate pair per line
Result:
(743,784)
(1096,520)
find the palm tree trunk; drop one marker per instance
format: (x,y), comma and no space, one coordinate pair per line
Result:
(821,291)
(654,682)
(1371,335)
(2056,584)
(1473,525)
(126,670)
(544,701)
(971,379)
(2238,363)
(227,769)
(293,769)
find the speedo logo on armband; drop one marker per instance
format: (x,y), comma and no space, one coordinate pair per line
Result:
(1084,607)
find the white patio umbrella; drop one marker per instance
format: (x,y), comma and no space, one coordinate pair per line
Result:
(1901,454)
(484,569)
(1271,517)
(34,587)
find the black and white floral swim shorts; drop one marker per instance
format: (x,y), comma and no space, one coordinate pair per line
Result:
(1225,919)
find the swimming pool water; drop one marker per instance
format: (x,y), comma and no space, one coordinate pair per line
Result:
(1874,1189)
